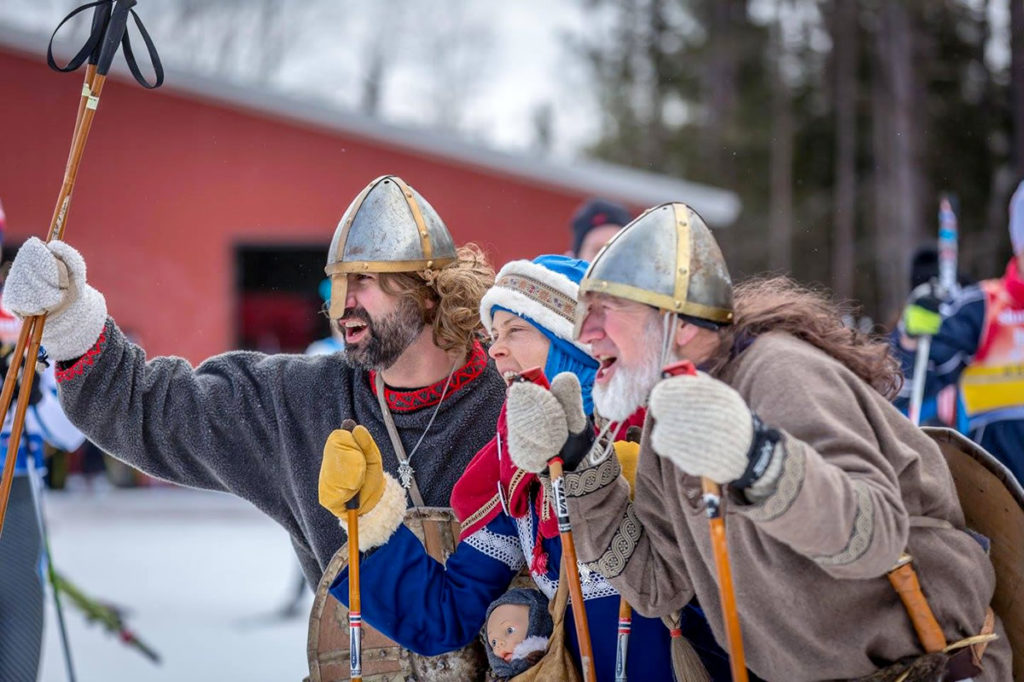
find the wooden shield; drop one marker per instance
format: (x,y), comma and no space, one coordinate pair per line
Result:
(327,645)
(993,504)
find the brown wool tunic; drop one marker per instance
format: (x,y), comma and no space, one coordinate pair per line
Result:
(809,562)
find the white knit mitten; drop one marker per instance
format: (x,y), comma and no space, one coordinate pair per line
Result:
(50,279)
(537,426)
(566,389)
(702,426)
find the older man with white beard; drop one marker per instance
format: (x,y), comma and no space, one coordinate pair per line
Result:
(827,485)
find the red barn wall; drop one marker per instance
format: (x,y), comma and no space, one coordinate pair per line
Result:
(169,184)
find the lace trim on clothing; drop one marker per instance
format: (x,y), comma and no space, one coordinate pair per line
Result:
(504,548)
(480,513)
(791,480)
(586,481)
(89,358)
(594,584)
(613,562)
(407,401)
(860,536)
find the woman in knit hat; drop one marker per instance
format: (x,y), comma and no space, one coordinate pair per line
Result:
(507,523)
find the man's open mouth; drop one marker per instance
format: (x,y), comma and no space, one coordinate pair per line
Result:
(354,330)
(605,368)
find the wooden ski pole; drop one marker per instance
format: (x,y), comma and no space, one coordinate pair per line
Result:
(100,20)
(572,572)
(32,329)
(716,521)
(355,614)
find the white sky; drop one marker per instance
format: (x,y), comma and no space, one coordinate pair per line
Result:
(508,59)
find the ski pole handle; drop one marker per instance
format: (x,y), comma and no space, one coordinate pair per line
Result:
(115,31)
(355,614)
(100,20)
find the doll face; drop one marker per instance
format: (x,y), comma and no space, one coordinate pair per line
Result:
(506,628)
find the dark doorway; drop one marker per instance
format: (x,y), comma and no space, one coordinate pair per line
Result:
(279,302)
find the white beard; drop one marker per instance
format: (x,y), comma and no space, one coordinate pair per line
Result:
(629,387)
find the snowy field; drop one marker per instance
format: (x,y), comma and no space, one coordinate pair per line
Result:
(200,573)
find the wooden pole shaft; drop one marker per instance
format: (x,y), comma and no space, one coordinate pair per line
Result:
(32,329)
(58,223)
(572,572)
(87,86)
(726,591)
(355,612)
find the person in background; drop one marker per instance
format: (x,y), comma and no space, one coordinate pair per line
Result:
(21,543)
(335,342)
(943,408)
(594,223)
(978,343)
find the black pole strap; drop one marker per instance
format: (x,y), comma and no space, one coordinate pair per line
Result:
(109,28)
(89,51)
(154,58)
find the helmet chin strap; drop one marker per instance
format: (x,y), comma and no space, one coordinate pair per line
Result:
(668,322)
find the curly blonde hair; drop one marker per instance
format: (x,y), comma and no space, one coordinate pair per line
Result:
(449,298)
(766,304)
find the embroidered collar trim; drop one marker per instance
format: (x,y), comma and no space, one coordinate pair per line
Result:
(407,401)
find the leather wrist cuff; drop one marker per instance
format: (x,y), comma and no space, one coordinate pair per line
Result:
(759,456)
(577,446)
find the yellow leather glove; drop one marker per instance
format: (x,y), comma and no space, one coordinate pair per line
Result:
(351,465)
(629,457)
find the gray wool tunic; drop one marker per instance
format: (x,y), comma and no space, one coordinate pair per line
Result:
(255,425)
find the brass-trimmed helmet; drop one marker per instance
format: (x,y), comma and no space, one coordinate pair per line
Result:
(389,227)
(666,258)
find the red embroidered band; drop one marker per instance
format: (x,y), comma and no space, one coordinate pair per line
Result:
(89,358)
(407,401)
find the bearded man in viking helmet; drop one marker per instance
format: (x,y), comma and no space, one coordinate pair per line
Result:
(827,486)
(255,425)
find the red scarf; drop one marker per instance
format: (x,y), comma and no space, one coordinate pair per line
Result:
(1013,283)
(477,501)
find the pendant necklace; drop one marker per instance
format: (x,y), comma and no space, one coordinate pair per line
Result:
(406,474)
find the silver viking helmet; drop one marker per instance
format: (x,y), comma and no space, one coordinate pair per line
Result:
(389,227)
(666,258)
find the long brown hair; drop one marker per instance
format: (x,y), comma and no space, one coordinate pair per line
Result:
(767,304)
(454,292)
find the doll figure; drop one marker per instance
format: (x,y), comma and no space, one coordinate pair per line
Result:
(516,631)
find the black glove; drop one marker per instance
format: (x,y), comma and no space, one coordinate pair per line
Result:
(577,446)
(6,353)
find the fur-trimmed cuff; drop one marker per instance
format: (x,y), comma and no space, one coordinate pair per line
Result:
(378,525)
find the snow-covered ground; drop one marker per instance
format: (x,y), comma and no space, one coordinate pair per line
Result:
(199,573)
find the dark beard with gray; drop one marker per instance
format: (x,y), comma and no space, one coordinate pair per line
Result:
(388,337)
